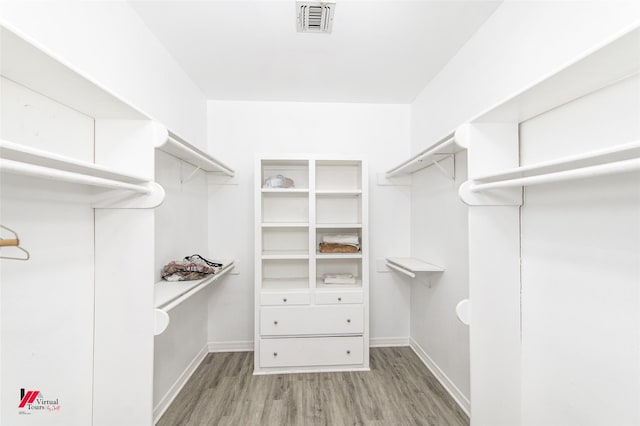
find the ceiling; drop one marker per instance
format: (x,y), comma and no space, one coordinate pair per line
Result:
(378,52)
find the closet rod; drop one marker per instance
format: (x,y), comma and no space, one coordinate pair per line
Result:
(581,173)
(25,169)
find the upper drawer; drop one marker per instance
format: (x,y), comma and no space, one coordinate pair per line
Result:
(284,298)
(338,297)
(310,320)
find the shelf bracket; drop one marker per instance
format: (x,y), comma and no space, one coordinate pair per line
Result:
(449,174)
(188,178)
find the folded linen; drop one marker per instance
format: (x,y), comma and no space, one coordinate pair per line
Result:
(339,279)
(341,239)
(339,248)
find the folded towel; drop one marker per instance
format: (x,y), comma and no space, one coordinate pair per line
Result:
(339,279)
(341,239)
(339,248)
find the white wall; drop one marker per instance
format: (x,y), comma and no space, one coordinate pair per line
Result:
(107,42)
(581,269)
(518,45)
(181,230)
(237,130)
(440,235)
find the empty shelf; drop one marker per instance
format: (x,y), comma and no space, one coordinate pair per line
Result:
(409,265)
(285,254)
(285,283)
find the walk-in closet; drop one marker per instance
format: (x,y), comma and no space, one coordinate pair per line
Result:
(285,212)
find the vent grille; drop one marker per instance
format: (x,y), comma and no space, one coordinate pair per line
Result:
(315,17)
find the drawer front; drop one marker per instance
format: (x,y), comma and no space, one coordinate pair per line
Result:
(311,351)
(307,320)
(338,297)
(284,299)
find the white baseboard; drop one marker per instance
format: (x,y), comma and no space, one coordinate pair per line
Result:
(444,380)
(232,346)
(382,342)
(174,390)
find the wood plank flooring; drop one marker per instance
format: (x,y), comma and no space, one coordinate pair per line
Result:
(399,390)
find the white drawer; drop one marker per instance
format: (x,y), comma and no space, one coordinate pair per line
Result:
(284,298)
(338,297)
(308,320)
(311,351)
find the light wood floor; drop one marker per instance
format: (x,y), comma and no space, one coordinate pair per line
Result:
(399,390)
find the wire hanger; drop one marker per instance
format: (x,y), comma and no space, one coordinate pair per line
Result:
(13,242)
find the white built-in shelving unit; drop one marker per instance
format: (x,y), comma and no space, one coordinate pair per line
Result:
(301,323)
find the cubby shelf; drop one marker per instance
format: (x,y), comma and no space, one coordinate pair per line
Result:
(285,225)
(338,255)
(285,190)
(339,192)
(284,254)
(278,284)
(322,286)
(338,225)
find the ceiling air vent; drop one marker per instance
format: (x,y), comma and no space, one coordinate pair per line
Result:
(315,17)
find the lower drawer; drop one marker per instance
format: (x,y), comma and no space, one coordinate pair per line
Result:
(311,351)
(311,320)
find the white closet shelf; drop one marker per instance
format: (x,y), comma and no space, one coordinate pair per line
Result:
(179,148)
(276,284)
(285,225)
(168,295)
(618,159)
(285,254)
(338,255)
(338,225)
(320,285)
(20,159)
(409,265)
(285,190)
(451,144)
(339,192)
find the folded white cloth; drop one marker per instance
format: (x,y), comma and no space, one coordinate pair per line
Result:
(339,279)
(350,239)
